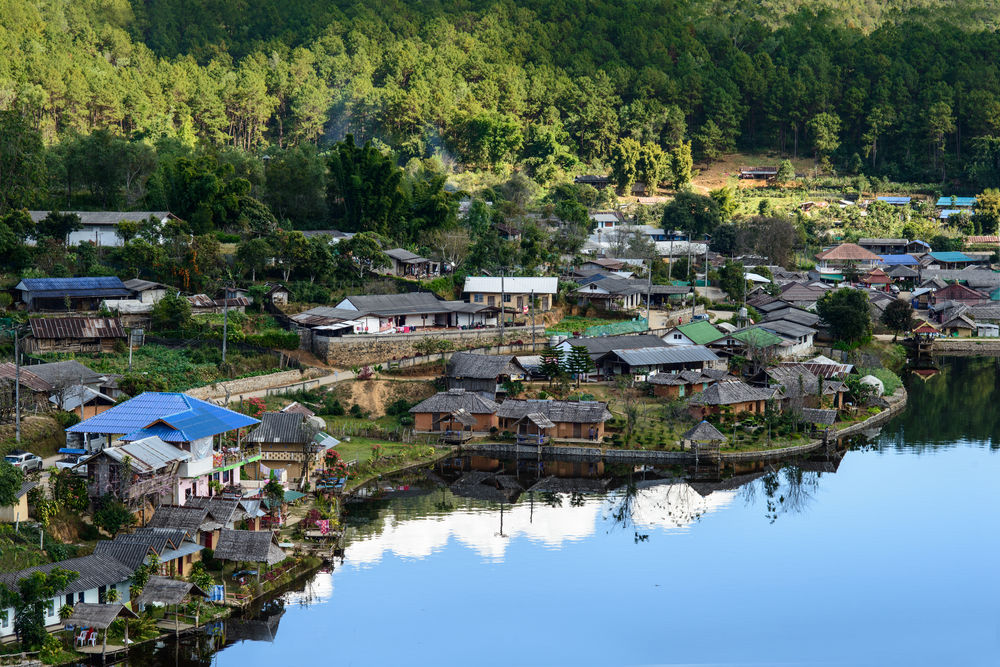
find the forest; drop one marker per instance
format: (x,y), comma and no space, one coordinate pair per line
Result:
(234,114)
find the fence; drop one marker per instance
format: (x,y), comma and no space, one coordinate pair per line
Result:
(292,388)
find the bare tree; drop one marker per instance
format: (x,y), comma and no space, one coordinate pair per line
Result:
(452,246)
(627,395)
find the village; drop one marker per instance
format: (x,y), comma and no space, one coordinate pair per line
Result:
(202,482)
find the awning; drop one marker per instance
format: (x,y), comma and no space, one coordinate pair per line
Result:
(70,450)
(292,496)
(185,549)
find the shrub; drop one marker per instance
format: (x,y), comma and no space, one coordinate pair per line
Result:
(67,419)
(398,407)
(281,340)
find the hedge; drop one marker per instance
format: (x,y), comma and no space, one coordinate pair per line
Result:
(280,340)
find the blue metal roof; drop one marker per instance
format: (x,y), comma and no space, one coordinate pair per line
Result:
(959,201)
(950,257)
(898,201)
(106,286)
(172,417)
(895,260)
(948,212)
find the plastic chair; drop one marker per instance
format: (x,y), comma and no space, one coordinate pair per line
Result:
(81,638)
(92,640)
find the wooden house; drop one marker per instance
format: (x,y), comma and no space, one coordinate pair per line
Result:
(405,264)
(34,390)
(681,385)
(731,397)
(483,373)
(959,293)
(801,387)
(277,294)
(572,420)
(649,361)
(285,441)
(884,246)
(611,294)
(79,335)
(427,414)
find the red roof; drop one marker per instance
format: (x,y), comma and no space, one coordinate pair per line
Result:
(877,276)
(848,252)
(925,328)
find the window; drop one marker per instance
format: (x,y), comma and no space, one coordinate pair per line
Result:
(4,618)
(189,559)
(492,301)
(79,596)
(507,298)
(477,298)
(50,608)
(677,336)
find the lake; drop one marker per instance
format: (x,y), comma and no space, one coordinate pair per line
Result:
(885,555)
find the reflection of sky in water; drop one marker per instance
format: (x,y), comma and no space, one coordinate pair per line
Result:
(668,507)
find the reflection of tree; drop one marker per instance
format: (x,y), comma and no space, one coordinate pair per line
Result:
(551,499)
(788,490)
(576,500)
(623,512)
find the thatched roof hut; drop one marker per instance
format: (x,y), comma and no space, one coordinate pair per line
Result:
(93,615)
(168,591)
(249,546)
(704,432)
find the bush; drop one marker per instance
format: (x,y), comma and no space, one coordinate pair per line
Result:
(67,419)
(306,292)
(227,238)
(398,407)
(406,421)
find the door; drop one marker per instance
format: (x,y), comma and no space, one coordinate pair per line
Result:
(577,430)
(520,303)
(435,423)
(491,300)
(102,594)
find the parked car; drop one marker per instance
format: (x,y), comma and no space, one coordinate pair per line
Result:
(71,460)
(24,460)
(894,289)
(700,318)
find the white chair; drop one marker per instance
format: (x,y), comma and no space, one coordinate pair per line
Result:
(93,638)
(81,638)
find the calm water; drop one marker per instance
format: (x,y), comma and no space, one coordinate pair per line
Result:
(890,560)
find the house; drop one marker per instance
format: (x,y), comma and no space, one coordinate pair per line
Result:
(877,279)
(98,574)
(680,385)
(611,294)
(286,441)
(330,322)
(507,233)
(182,423)
(598,347)
(249,547)
(277,294)
(405,264)
(75,294)
(32,386)
(959,293)
(606,220)
(800,294)
(572,420)
(793,314)
(917,247)
(221,512)
(83,401)
(884,246)
(830,263)
(661,294)
(202,304)
(176,549)
(99,226)
(403,313)
(19,510)
(144,470)
(599,182)
(429,414)
(958,325)
(483,373)
(920,297)
(66,378)
(297,408)
(693,333)
(898,260)
(903,274)
(146,291)
(800,386)
(652,360)
(516,292)
(801,337)
(731,397)
(82,335)
(895,201)
(766,173)
(605,264)
(948,260)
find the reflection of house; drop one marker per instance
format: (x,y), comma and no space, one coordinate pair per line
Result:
(19,510)
(483,373)
(515,292)
(253,629)
(98,574)
(80,293)
(573,420)
(731,397)
(427,414)
(74,334)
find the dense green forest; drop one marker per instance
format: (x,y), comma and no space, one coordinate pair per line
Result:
(172,104)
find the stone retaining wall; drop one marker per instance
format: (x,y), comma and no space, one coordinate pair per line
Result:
(362,349)
(255,383)
(966,346)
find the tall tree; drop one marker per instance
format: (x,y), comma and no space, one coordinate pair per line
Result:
(22,161)
(365,188)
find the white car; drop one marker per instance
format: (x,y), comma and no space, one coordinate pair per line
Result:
(24,460)
(71,460)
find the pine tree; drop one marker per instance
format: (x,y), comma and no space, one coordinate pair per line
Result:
(552,358)
(579,362)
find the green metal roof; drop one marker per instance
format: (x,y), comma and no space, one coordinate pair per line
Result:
(950,257)
(701,333)
(758,336)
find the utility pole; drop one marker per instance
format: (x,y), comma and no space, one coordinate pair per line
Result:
(17,388)
(532,319)
(649,292)
(225,319)
(130,350)
(694,288)
(502,293)
(706,271)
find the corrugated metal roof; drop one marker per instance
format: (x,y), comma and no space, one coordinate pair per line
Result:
(105,286)
(279,427)
(864,242)
(148,454)
(897,260)
(405,256)
(898,201)
(137,285)
(77,327)
(959,201)
(673,354)
(950,257)
(701,332)
(64,373)
(95,570)
(74,397)
(599,346)
(787,328)
(492,285)
(298,408)
(397,304)
(173,417)
(8,371)
(483,366)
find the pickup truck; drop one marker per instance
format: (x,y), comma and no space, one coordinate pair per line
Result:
(71,460)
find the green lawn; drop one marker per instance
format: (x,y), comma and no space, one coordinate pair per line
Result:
(571,323)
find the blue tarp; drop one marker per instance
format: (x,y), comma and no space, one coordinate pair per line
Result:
(67,450)
(895,260)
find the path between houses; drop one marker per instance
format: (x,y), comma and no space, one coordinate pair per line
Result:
(333,378)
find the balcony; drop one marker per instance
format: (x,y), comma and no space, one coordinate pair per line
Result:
(234,457)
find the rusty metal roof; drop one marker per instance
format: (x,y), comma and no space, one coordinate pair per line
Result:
(8,371)
(77,327)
